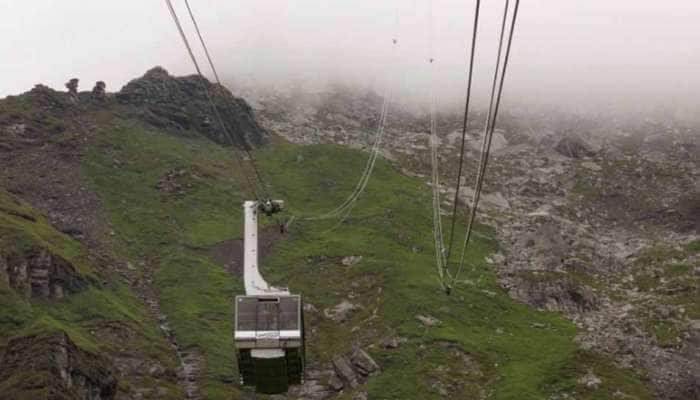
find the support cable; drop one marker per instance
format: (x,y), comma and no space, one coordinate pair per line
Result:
(244,142)
(438,237)
(219,119)
(464,128)
(489,129)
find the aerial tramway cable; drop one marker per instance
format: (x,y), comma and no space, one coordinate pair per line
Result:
(464,129)
(438,237)
(251,159)
(489,128)
(240,160)
(343,210)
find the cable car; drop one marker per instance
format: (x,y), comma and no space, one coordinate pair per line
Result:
(269,323)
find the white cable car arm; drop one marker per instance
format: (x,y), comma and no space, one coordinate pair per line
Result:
(255,284)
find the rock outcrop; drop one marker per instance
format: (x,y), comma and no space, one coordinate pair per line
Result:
(51,367)
(182,104)
(39,274)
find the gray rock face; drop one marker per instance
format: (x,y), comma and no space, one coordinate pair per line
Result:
(181,104)
(575,146)
(363,363)
(57,364)
(40,274)
(343,367)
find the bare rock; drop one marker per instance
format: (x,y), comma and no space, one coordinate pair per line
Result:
(574,146)
(341,312)
(390,343)
(336,383)
(590,380)
(38,273)
(343,367)
(58,366)
(351,260)
(364,364)
(427,320)
(182,105)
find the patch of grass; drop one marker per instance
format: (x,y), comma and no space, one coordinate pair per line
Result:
(614,381)
(81,314)
(694,246)
(394,282)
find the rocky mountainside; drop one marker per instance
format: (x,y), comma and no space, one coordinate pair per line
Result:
(120,227)
(597,220)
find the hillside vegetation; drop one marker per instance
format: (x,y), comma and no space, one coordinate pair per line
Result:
(153,305)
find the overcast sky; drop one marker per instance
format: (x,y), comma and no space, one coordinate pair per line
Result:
(565,51)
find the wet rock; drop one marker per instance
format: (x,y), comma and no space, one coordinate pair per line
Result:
(310,308)
(363,363)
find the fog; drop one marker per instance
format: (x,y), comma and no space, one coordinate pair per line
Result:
(575,54)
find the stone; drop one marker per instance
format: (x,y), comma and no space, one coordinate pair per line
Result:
(591,166)
(590,380)
(341,312)
(72,86)
(343,368)
(335,383)
(364,364)
(390,343)
(428,320)
(351,260)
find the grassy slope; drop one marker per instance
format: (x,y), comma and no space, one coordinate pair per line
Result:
(82,314)
(516,352)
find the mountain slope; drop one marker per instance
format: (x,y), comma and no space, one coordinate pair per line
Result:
(160,260)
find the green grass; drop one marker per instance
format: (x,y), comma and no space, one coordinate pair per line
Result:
(84,314)
(694,246)
(396,279)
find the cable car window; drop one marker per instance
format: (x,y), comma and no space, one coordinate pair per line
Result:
(246,315)
(268,316)
(289,313)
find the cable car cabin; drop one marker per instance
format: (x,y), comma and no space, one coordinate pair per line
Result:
(269,324)
(270,341)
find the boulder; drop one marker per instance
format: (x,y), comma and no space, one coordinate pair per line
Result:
(364,364)
(574,146)
(344,370)
(341,312)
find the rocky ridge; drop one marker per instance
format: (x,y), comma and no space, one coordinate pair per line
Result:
(599,222)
